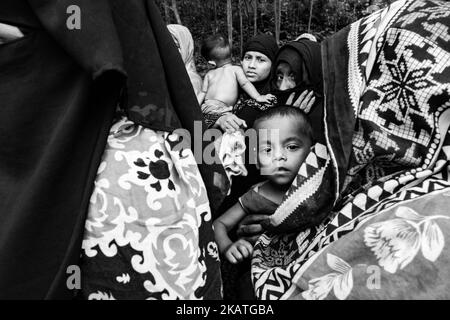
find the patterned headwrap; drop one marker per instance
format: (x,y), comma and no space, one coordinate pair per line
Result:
(185,43)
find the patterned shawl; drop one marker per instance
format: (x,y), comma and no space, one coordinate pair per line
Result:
(367,215)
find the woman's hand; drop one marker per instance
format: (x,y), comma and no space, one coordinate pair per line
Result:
(9,33)
(250,227)
(304,102)
(230,123)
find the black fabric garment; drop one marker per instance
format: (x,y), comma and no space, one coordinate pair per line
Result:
(263,43)
(159,94)
(341,121)
(59,89)
(303,52)
(303,56)
(292,57)
(54,121)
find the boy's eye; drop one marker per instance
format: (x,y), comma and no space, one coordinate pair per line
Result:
(266,150)
(247,57)
(293,147)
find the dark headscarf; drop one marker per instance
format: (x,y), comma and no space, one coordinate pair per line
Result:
(263,43)
(266,45)
(291,56)
(303,56)
(59,89)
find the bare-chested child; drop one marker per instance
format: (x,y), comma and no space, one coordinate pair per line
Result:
(220,89)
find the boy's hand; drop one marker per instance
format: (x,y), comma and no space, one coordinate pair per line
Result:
(267,98)
(238,251)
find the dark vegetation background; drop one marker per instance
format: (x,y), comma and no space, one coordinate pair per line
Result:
(239,20)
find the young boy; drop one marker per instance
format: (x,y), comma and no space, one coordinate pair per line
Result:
(220,88)
(284,141)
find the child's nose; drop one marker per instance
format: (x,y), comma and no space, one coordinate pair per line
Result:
(280,155)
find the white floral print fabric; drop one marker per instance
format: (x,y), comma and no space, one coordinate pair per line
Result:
(148,233)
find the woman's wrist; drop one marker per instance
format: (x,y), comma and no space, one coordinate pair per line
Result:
(218,123)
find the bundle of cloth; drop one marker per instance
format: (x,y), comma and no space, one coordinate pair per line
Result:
(367,217)
(231,147)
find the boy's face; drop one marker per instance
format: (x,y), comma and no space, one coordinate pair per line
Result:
(282,148)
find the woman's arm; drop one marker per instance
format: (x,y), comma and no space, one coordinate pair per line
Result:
(225,223)
(250,227)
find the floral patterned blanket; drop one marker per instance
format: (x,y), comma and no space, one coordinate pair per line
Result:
(367,216)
